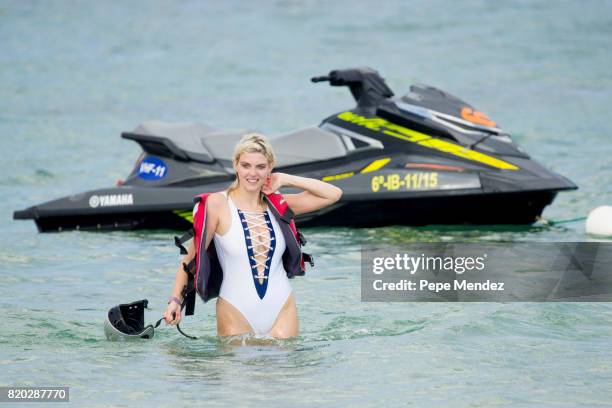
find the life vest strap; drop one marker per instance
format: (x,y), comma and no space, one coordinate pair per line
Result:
(301,238)
(189,300)
(184,238)
(188,289)
(308,258)
(189,268)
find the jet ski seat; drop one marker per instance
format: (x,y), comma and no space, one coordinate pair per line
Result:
(182,140)
(306,145)
(200,142)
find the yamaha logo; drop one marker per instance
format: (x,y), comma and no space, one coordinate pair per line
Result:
(111,200)
(94,201)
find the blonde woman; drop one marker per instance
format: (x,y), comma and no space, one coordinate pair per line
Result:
(255,295)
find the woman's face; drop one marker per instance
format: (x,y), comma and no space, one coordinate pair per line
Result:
(253,170)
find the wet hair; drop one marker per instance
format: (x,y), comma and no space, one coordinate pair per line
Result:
(252,143)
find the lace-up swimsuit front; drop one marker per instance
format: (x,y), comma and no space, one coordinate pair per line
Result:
(254,279)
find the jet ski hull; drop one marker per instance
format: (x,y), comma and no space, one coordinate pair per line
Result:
(353,211)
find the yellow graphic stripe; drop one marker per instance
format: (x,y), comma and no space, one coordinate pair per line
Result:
(409,135)
(376,165)
(339,176)
(188,215)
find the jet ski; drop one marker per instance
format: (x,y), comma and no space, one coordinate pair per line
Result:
(426,157)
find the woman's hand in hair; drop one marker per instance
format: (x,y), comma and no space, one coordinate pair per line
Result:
(274,182)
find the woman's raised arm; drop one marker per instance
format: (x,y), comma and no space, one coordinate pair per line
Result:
(317,194)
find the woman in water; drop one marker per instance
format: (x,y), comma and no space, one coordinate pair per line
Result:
(255,295)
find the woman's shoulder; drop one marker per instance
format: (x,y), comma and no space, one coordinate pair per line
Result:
(216,201)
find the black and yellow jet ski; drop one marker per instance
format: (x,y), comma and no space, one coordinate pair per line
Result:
(425,157)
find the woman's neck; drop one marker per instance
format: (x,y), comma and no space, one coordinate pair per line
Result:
(249,201)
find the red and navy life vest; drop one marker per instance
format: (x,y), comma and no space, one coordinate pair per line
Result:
(204,271)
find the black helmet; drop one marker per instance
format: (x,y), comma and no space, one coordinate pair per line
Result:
(126,322)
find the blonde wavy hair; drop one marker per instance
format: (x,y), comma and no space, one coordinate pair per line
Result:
(252,143)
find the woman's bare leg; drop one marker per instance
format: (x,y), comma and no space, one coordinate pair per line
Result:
(286,324)
(230,322)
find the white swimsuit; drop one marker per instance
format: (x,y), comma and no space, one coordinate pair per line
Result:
(254,279)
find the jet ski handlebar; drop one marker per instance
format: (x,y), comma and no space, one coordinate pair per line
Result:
(340,77)
(323,78)
(366,85)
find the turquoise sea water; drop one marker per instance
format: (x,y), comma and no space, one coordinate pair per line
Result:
(73,75)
